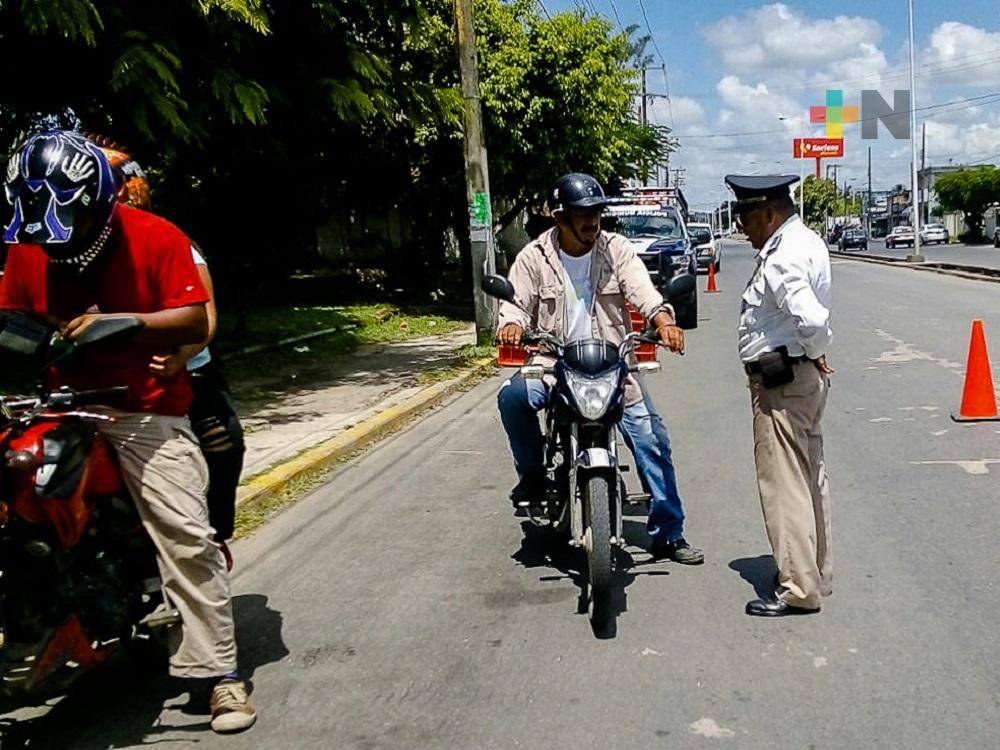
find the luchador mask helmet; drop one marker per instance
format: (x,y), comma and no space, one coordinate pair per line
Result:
(63,193)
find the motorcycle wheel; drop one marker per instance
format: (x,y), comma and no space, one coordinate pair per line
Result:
(596,500)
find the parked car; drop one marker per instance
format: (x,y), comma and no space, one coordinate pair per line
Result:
(853,237)
(934,233)
(707,247)
(900,236)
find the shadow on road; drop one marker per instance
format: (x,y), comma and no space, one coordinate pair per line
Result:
(120,705)
(541,547)
(759,572)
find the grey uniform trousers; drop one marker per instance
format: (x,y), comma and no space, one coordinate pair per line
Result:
(793,484)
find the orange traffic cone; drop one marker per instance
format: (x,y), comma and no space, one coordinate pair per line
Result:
(979,403)
(711,277)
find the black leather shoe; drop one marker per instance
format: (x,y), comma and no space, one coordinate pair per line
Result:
(679,551)
(530,490)
(775,608)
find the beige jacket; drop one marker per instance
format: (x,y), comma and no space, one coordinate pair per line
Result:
(616,274)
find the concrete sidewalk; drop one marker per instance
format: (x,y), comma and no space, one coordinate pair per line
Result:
(294,407)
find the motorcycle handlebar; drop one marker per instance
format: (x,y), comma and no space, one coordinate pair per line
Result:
(101,396)
(69,398)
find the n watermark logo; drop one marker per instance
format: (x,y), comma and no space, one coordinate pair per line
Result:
(874,109)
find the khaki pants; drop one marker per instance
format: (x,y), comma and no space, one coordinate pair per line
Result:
(166,475)
(791,477)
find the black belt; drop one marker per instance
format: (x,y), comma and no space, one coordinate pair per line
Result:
(753,368)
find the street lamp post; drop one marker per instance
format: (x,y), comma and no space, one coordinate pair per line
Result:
(802,188)
(915,257)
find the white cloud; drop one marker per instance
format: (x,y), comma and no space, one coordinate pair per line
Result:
(776,37)
(778,60)
(960,53)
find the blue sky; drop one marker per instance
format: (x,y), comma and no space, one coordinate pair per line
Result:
(734,67)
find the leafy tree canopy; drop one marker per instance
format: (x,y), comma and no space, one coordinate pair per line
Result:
(970,191)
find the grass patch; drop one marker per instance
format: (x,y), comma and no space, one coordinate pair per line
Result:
(355,324)
(467,357)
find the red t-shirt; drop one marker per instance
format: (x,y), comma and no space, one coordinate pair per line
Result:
(146,267)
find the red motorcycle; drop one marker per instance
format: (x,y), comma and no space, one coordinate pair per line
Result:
(78,574)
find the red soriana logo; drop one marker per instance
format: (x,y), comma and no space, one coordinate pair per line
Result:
(815,148)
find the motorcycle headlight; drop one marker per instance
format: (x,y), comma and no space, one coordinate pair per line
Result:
(592,395)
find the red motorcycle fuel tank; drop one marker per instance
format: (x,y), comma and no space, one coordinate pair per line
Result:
(73,466)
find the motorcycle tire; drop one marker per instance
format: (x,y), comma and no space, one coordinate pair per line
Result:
(597,503)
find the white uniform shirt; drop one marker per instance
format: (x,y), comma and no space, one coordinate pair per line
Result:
(787,301)
(579,296)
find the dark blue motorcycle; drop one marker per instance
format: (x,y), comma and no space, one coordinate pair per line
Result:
(586,403)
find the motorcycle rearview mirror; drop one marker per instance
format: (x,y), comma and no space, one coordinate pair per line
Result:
(105,330)
(108,328)
(23,334)
(498,286)
(679,287)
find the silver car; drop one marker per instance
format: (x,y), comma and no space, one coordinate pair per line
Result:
(933,233)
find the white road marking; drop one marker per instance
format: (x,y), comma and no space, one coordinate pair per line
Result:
(939,433)
(975,466)
(904,352)
(820,661)
(649,652)
(881,419)
(707,727)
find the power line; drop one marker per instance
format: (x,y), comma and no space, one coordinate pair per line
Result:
(969,102)
(544,9)
(928,71)
(614,9)
(652,38)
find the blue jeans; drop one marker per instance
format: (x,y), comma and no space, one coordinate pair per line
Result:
(645,435)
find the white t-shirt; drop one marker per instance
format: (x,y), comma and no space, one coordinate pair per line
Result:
(579,296)
(203,357)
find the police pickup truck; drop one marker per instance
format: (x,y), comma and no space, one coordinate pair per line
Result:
(653,221)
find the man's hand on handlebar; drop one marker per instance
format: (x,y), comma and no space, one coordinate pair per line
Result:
(510,334)
(671,335)
(77,327)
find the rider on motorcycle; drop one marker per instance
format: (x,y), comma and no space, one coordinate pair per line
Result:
(575,279)
(74,248)
(212,414)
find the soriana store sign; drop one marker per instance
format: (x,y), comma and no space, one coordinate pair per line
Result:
(817,148)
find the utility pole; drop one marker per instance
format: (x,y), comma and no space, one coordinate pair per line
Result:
(643,120)
(477,178)
(836,188)
(922,178)
(868,221)
(915,256)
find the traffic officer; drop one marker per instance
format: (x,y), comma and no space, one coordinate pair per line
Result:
(784,334)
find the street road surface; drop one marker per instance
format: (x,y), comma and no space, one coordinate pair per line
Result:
(981,256)
(402,606)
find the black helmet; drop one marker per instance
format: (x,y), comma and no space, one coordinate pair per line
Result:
(576,190)
(52,180)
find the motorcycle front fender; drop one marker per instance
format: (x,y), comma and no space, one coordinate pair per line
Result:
(595,458)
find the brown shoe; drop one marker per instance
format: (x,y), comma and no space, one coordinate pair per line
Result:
(232,709)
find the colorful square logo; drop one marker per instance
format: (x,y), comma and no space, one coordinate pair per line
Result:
(834,114)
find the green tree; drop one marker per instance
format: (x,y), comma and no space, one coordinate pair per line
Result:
(970,191)
(559,96)
(820,200)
